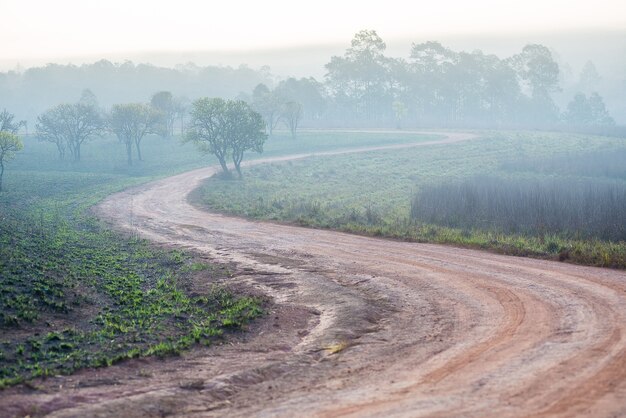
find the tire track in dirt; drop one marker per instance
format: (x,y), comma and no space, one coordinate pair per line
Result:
(420,329)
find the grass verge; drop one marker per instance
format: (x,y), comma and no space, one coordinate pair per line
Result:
(371,193)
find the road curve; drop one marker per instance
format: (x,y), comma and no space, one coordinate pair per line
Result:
(374,327)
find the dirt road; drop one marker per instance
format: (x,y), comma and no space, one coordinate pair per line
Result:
(372,327)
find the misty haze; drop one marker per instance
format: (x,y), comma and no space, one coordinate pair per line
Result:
(318,209)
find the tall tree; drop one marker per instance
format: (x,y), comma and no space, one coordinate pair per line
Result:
(131,123)
(7,124)
(181,108)
(589,77)
(539,72)
(206,129)
(225,128)
(429,87)
(308,92)
(69,126)
(360,77)
(88,98)
(290,114)
(244,129)
(163,101)
(9,145)
(583,111)
(268,104)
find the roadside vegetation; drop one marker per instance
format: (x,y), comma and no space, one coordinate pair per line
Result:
(374,193)
(74,294)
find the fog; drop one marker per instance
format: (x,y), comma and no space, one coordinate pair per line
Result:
(316,207)
(122,78)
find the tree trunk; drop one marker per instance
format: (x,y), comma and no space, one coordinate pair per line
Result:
(138,150)
(222,161)
(129,153)
(61,152)
(1,174)
(238,168)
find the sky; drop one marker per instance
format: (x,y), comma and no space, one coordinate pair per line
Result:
(46,31)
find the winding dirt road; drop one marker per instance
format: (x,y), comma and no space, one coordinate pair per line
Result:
(373,327)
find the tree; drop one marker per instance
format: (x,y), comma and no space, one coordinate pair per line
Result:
(225,127)
(360,77)
(268,104)
(245,131)
(583,111)
(9,145)
(131,123)
(163,102)
(7,124)
(181,107)
(69,126)
(291,114)
(87,97)
(540,74)
(589,77)
(399,110)
(537,67)
(306,91)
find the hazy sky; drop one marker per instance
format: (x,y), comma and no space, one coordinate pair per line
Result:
(46,29)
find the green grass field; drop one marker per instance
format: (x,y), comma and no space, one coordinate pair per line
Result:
(74,294)
(371,193)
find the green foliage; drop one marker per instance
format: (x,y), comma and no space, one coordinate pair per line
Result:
(131,122)
(371,193)
(68,126)
(226,128)
(9,145)
(74,294)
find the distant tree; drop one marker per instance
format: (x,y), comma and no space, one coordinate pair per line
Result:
(589,77)
(360,77)
(69,126)
(245,131)
(181,108)
(50,129)
(163,102)
(537,67)
(583,111)
(400,111)
(9,145)
(291,114)
(88,98)
(540,74)
(7,124)
(131,123)
(268,103)
(430,93)
(308,92)
(225,127)
(601,116)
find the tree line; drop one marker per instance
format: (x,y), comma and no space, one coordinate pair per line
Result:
(435,86)
(69,125)
(224,128)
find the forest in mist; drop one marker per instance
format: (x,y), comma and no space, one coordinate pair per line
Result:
(365,86)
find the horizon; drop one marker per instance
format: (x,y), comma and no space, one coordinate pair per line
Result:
(312,57)
(119,31)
